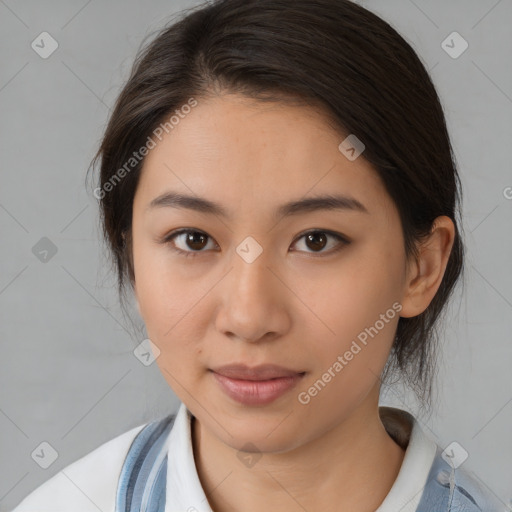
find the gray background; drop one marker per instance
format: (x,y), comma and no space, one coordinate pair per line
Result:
(68,375)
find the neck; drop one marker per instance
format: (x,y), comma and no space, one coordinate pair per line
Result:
(350,467)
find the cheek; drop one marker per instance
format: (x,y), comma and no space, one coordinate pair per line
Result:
(159,294)
(346,365)
(357,309)
(170,324)
(170,308)
(352,296)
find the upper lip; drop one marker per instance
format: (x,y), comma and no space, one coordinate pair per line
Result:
(261,372)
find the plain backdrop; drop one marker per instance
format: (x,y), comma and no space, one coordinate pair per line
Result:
(68,374)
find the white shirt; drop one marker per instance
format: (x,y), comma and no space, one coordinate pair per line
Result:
(90,483)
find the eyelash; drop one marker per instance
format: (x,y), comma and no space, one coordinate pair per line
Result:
(168,239)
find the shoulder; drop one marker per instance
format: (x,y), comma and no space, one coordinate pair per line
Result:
(88,484)
(453,488)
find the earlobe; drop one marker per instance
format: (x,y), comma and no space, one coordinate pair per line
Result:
(427,270)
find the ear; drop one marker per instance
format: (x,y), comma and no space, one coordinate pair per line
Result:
(425,272)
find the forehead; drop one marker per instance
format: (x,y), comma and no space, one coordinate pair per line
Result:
(234,148)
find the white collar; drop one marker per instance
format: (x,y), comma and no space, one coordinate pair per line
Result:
(184,490)
(405,494)
(183,487)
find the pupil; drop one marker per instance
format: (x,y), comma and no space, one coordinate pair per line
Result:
(313,237)
(193,242)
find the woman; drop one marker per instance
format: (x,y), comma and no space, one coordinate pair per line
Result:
(277,189)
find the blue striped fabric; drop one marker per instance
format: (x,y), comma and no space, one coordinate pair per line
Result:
(141,486)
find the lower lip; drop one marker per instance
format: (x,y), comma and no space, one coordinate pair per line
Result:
(257,392)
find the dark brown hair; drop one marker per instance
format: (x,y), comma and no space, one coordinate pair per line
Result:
(331,54)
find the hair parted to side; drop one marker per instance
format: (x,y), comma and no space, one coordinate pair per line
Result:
(331,54)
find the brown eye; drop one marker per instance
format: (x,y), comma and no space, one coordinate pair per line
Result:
(192,241)
(195,240)
(317,240)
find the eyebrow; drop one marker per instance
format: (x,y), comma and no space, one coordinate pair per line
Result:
(310,204)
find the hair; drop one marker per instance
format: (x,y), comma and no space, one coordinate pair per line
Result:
(333,55)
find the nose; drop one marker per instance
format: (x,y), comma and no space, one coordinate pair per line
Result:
(253,301)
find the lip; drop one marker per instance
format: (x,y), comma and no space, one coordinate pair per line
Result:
(260,372)
(259,385)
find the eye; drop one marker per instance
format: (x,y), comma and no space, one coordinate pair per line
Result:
(197,240)
(189,238)
(318,239)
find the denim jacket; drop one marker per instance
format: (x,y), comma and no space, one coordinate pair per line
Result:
(455,490)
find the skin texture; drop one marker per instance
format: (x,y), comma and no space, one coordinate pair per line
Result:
(297,305)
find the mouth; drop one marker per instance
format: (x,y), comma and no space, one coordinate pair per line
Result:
(259,385)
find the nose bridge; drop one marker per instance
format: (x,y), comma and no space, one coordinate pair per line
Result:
(252,277)
(251,302)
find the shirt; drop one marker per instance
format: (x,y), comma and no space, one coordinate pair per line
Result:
(90,484)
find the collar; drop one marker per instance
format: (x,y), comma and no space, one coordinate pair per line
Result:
(420,452)
(183,487)
(184,490)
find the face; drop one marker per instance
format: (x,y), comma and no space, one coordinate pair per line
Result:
(310,289)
